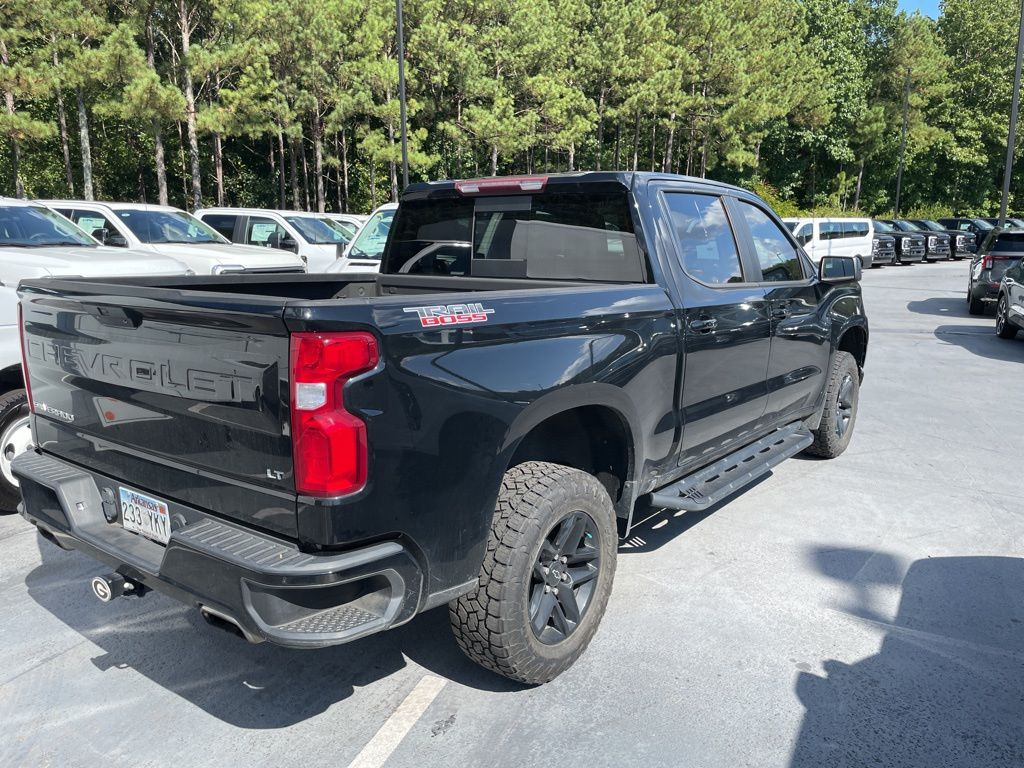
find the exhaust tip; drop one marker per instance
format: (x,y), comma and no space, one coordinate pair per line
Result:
(227,623)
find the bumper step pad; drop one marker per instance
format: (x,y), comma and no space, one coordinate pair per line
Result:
(720,480)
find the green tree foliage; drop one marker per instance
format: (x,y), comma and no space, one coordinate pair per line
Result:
(295,104)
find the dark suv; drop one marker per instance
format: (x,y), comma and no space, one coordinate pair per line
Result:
(961,244)
(1007,222)
(936,244)
(979,227)
(910,247)
(1010,305)
(1000,252)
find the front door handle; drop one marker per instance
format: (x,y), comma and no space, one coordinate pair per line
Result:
(704,325)
(780,314)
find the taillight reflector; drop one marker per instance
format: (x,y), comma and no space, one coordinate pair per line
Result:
(501,184)
(986,261)
(24,360)
(328,443)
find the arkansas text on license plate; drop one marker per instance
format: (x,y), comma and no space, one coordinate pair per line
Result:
(146,515)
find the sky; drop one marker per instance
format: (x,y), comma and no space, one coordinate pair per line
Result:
(926,7)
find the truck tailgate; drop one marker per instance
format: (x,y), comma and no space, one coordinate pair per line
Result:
(184,393)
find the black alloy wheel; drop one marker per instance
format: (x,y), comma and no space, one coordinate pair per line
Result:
(563,577)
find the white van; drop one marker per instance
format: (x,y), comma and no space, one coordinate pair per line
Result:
(172,232)
(834,237)
(313,236)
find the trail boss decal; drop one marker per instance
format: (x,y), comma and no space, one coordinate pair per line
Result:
(450,314)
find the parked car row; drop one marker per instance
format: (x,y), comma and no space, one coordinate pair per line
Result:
(57,238)
(881,241)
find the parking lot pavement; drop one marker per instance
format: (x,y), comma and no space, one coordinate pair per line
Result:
(863,611)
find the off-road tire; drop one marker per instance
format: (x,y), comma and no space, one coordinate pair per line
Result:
(829,442)
(1004,328)
(492,623)
(13,406)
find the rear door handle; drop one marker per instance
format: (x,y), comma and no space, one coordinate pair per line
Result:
(704,325)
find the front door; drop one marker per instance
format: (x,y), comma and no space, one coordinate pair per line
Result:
(724,324)
(800,335)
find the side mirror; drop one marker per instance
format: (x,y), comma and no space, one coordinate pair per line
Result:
(101,234)
(289,244)
(839,269)
(274,239)
(117,240)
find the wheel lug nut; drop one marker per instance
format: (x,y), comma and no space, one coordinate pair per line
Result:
(555,590)
(565,559)
(547,588)
(545,570)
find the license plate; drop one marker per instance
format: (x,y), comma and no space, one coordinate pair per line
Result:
(146,515)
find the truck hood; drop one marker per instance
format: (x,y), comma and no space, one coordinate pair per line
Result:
(203,257)
(83,261)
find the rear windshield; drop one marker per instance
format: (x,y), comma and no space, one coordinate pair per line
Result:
(1007,242)
(556,235)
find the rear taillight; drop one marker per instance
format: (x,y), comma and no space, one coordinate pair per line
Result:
(328,443)
(986,262)
(24,360)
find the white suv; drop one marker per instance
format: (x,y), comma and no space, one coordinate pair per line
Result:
(172,232)
(314,236)
(36,242)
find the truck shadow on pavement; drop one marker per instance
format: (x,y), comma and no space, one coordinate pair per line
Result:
(249,686)
(943,306)
(946,688)
(982,341)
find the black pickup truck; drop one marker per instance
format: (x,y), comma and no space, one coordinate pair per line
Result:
(311,459)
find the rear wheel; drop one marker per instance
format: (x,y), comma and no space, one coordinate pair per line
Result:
(546,574)
(1004,328)
(840,413)
(15,438)
(974,306)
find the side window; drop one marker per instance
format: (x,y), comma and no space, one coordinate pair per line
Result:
(91,221)
(777,256)
(262,231)
(804,234)
(831,230)
(223,223)
(855,229)
(706,244)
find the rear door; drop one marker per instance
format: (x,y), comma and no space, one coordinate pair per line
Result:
(724,324)
(185,394)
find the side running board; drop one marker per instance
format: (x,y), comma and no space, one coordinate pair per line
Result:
(717,481)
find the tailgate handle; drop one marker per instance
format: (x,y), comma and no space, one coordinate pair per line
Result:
(117,317)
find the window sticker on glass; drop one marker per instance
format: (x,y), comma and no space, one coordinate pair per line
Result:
(91,223)
(261,231)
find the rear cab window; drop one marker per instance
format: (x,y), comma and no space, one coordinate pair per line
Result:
(704,238)
(577,234)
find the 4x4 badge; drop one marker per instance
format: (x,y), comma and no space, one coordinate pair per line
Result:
(450,314)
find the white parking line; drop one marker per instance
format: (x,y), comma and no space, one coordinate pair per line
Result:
(390,735)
